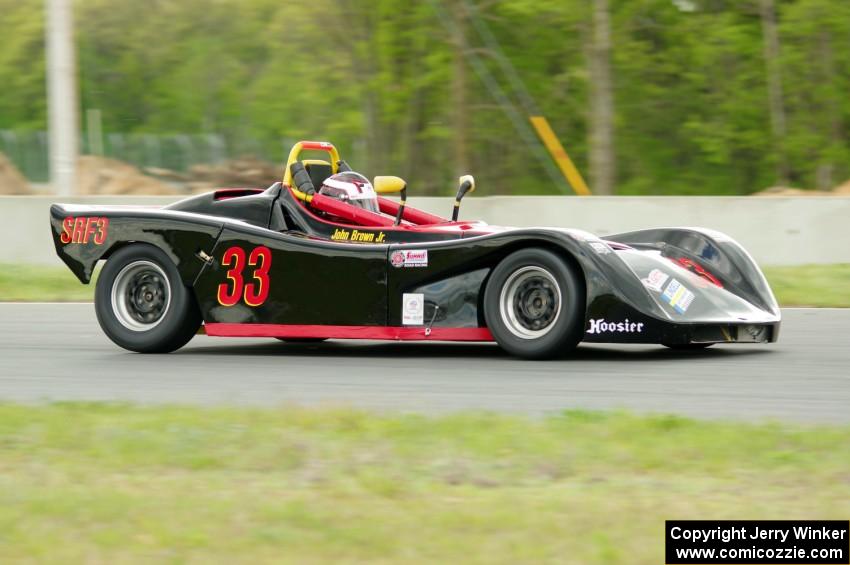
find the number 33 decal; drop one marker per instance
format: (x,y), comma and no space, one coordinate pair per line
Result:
(255,292)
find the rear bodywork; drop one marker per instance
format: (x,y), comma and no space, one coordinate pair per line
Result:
(302,276)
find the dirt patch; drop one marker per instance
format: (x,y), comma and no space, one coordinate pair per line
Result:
(244,172)
(788,191)
(11,179)
(840,190)
(843,188)
(100,175)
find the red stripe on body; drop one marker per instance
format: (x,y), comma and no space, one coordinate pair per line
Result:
(347,332)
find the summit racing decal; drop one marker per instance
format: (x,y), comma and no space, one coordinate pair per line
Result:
(603,326)
(409,258)
(84,230)
(341,234)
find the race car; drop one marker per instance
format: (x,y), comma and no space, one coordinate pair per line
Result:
(318,256)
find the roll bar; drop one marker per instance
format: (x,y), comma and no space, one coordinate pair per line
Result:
(295,152)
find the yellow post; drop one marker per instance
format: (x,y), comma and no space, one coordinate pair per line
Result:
(550,140)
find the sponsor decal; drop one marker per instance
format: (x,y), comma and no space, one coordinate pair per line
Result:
(84,230)
(603,326)
(678,296)
(342,234)
(655,280)
(409,258)
(412,309)
(600,247)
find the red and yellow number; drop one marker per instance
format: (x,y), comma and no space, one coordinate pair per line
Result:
(234,258)
(254,293)
(83,230)
(254,296)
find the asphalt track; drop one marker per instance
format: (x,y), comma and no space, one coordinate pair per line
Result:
(51,352)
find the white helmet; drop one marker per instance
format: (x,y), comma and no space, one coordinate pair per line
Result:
(352,188)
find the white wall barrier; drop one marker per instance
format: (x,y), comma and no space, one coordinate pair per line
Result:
(776,230)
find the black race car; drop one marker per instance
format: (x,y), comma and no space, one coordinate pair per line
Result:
(288,262)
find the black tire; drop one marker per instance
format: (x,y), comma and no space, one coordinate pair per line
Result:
(687,346)
(534,304)
(141,310)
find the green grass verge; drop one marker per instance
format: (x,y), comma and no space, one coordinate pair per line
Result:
(121,484)
(811,285)
(36,283)
(808,285)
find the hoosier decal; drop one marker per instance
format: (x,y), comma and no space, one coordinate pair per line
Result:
(84,230)
(603,326)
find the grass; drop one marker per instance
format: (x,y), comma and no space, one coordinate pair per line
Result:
(105,483)
(811,285)
(37,283)
(807,285)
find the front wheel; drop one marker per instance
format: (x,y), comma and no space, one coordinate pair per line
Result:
(141,302)
(534,304)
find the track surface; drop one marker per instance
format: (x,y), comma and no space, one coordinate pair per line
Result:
(58,352)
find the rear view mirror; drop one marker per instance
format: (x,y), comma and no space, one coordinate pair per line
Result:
(392,185)
(389,185)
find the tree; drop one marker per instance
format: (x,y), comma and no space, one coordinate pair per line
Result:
(774,87)
(602,163)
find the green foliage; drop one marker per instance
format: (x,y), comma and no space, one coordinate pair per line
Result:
(377,77)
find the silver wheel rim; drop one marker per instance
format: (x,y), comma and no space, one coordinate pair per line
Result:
(530,302)
(141,296)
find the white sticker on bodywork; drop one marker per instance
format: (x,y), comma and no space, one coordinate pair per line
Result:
(678,296)
(412,309)
(600,247)
(655,280)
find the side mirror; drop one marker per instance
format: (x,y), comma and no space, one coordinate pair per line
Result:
(393,185)
(467,184)
(389,185)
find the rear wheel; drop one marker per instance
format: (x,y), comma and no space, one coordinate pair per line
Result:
(534,304)
(141,302)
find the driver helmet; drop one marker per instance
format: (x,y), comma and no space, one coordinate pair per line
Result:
(351,188)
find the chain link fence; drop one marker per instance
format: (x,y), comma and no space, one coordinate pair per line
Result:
(28,150)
